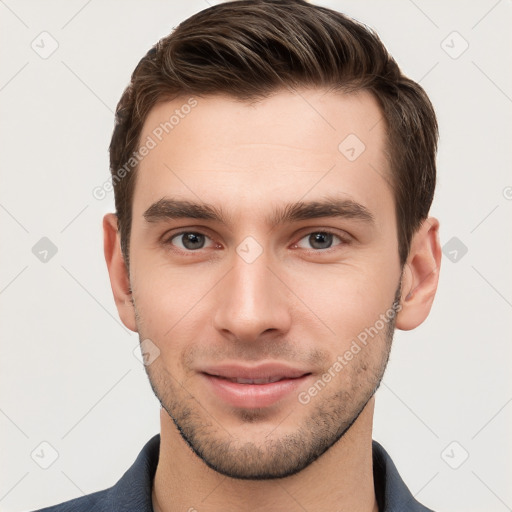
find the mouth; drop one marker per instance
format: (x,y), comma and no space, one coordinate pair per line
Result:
(242,380)
(253,387)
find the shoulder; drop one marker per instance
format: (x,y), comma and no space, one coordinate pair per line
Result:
(132,493)
(95,502)
(391,491)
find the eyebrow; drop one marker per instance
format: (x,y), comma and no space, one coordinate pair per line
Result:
(169,209)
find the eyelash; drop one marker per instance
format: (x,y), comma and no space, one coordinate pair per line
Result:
(343,241)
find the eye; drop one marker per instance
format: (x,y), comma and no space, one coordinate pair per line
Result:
(189,240)
(320,240)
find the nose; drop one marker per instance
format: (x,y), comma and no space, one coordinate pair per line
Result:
(252,301)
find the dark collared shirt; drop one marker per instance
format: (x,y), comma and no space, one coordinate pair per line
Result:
(132,493)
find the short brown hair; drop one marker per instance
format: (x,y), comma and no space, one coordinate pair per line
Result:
(251,48)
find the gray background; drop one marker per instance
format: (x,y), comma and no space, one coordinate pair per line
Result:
(69,376)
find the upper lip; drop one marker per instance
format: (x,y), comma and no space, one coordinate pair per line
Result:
(269,370)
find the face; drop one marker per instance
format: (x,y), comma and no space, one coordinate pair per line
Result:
(263,252)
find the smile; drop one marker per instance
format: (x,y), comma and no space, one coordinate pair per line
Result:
(253,387)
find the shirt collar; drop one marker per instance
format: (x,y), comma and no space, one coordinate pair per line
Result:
(133,491)
(391,492)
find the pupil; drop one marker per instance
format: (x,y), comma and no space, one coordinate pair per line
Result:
(320,240)
(193,240)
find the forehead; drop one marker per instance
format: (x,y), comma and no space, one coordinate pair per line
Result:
(287,147)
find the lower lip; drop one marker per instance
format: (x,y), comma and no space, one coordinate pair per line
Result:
(251,396)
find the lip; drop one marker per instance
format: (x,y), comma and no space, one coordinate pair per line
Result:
(260,371)
(253,395)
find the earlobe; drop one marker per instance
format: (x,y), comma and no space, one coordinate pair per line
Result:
(420,276)
(118,273)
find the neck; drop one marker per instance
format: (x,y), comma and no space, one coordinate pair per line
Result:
(340,479)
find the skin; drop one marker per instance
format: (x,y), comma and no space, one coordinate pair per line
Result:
(295,303)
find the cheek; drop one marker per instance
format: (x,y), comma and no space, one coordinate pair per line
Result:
(172,302)
(347,299)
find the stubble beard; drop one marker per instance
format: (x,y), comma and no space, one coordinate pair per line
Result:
(330,417)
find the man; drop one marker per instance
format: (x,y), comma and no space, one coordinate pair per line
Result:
(273,173)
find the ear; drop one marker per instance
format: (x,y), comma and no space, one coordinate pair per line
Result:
(119,278)
(420,276)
